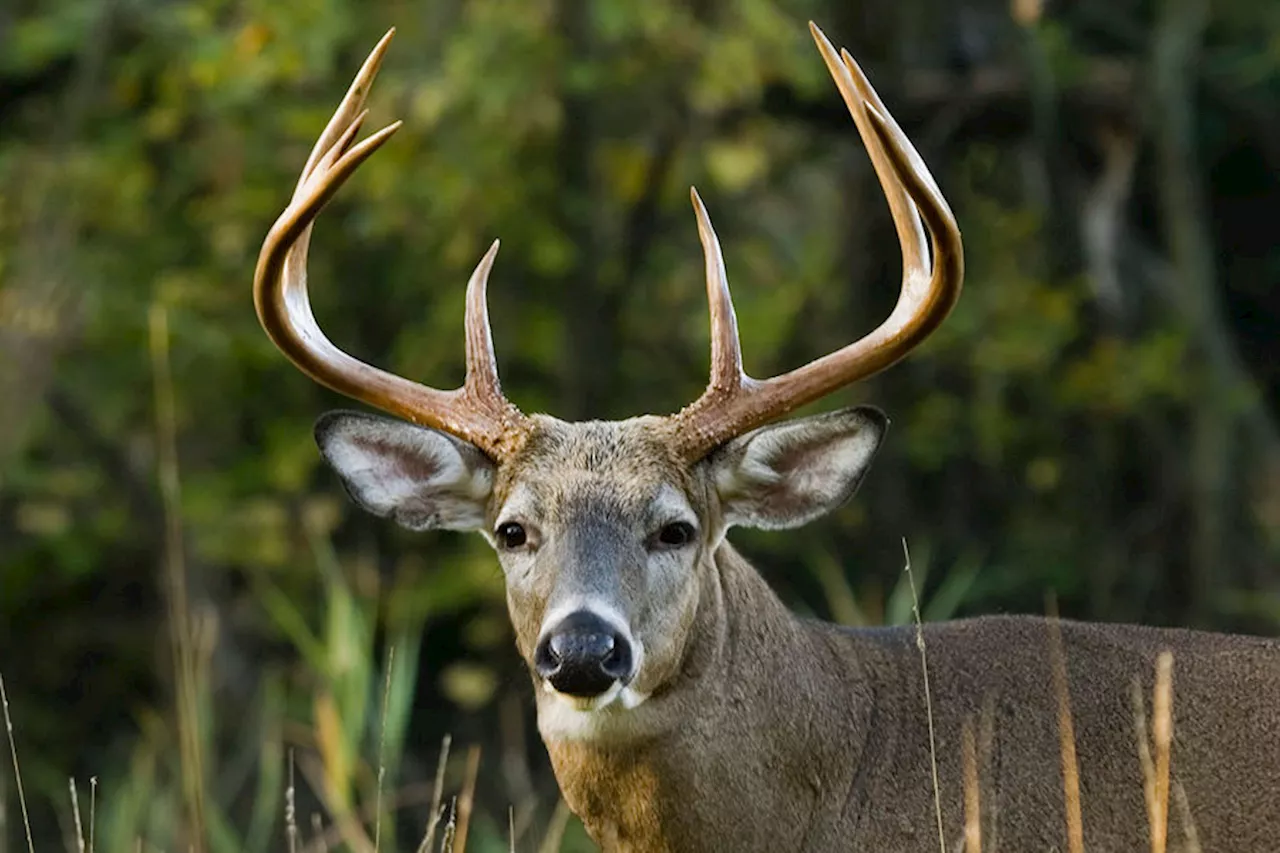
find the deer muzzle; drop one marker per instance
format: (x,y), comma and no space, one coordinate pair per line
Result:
(583,655)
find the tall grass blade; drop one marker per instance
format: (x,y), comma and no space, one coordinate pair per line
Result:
(1162,732)
(554,836)
(972,793)
(93,810)
(75,814)
(437,795)
(291,809)
(467,802)
(178,604)
(382,750)
(928,698)
(17,773)
(1066,736)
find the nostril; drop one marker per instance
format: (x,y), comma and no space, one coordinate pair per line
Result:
(583,656)
(618,662)
(545,658)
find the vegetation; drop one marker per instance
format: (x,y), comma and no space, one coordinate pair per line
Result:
(187,599)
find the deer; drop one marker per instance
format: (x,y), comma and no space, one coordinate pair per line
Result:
(683,706)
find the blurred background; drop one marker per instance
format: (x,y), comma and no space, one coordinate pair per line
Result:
(192,613)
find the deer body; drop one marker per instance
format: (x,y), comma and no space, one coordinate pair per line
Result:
(835,756)
(684,708)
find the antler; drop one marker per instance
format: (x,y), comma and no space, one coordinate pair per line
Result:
(734,402)
(477,412)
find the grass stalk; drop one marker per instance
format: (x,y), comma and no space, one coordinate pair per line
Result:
(972,794)
(554,836)
(437,796)
(928,697)
(17,772)
(382,750)
(450,829)
(291,809)
(178,603)
(1066,736)
(467,802)
(75,814)
(1162,735)
(93,809)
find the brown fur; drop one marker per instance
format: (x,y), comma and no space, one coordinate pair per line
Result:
(782,734)
(807,737)
(762,731)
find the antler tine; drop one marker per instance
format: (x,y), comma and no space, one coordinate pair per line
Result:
(477,412)
(482,364)
(929,290)
(352,105)
(727,375)
(857,93)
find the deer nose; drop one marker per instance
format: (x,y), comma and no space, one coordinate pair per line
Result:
(583,655)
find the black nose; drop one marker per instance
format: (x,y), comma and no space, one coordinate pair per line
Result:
(583,655)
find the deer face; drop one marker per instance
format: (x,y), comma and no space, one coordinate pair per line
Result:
(607,531)
(606,537)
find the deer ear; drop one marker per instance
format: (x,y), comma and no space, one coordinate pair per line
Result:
(422,478)
(788,474)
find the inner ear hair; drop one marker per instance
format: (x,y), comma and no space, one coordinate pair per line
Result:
(423,478)
(787,474)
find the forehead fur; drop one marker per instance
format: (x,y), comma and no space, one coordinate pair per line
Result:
(623,461)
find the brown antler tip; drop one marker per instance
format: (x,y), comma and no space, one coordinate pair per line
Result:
(486,262)
(820,37)
(364,78)
(385,133)
(854,68)
(705,230)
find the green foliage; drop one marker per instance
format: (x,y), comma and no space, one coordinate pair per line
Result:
(1039,442)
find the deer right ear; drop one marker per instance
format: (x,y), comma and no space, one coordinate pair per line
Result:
(788,474)
(422,478)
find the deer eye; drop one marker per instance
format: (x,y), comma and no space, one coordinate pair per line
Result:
(676,534)
(511,535)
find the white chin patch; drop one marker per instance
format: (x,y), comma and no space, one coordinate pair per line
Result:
(564,717)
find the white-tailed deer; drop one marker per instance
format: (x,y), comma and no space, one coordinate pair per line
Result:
(684,708)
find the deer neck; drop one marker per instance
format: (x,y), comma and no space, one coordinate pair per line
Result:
(767,721)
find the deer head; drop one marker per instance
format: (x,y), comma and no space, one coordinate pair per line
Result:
(607,532)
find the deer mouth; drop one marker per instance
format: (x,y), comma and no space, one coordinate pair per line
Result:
(618,697)
(615,715)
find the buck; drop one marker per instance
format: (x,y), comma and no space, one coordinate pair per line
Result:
(682,705)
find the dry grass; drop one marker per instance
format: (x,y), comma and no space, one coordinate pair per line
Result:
(17,771)
(182,634)
(972,792)
(451,824)
(1156,773)
(382,750)
(1158,787)
(1066,737)
(1154,740)
(928,697)
(75,813)
(433,824)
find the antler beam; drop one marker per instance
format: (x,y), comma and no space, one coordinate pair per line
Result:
(477,412)
(734,402)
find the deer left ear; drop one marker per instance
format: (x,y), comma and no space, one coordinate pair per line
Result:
(788,474)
